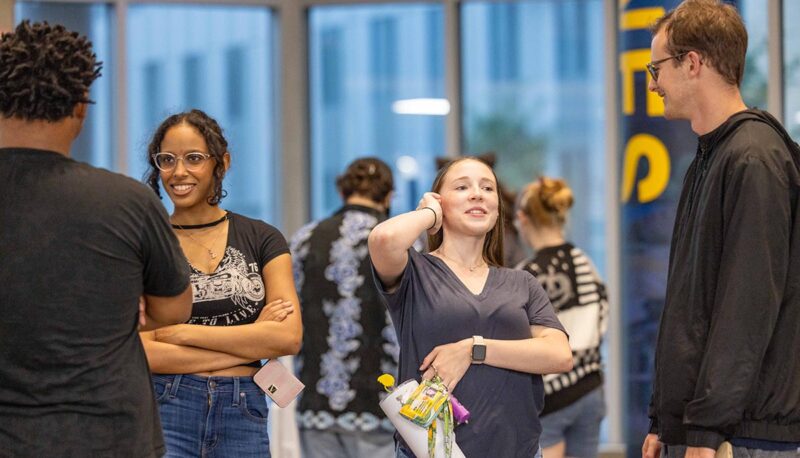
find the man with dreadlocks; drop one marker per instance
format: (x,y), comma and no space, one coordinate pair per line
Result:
(79,246)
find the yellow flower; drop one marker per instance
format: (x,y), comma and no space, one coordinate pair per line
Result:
(387,381)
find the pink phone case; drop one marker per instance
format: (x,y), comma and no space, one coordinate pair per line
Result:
(278,383)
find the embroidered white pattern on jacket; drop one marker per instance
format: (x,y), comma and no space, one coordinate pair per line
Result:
(299,252)
(337,366)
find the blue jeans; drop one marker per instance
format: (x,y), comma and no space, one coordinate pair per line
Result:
(212,416)
(356,444)
(578,425)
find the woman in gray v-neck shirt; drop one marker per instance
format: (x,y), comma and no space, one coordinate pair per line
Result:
(486,330)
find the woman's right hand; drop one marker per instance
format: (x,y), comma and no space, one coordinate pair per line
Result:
(450,362)
(433,201)
(276,310)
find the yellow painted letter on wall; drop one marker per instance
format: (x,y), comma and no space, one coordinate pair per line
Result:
(640,18)
(654,184)
(631,62)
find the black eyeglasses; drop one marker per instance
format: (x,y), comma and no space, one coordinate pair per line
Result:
(652,66)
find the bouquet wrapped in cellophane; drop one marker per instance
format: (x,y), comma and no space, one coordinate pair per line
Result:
(425,414)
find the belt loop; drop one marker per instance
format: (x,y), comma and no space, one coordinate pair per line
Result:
(236,393)
(175,383)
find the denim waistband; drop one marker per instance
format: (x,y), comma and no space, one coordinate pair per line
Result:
(233,385)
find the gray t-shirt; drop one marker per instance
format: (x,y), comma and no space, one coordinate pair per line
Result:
(431,307)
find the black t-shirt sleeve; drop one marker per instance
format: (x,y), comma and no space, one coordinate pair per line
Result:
(271,243)
(166,271)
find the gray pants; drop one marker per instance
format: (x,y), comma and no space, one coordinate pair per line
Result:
(324,444)
(679,451)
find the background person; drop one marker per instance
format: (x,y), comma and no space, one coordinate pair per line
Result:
(574,405)
(349,339)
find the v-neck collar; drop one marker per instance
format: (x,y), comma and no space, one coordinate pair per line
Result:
(484,291)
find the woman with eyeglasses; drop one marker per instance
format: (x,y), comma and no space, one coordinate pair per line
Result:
(245,305)
(574,405)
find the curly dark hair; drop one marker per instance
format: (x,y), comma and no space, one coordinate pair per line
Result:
(367,176)
(45,71)
(212,134)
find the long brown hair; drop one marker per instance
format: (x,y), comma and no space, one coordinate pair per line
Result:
(493,240)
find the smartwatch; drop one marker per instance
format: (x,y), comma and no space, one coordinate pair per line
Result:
(478,350)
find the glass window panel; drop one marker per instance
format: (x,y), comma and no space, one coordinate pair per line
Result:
(791,64)
(534,93)
(364,59)
(95,143)
(754,85)
(218,59)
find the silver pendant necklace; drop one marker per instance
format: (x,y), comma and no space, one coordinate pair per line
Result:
(211,252)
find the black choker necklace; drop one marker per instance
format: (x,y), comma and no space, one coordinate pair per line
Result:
(200,226)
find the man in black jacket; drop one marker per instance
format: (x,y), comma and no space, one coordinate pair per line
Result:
(727,362)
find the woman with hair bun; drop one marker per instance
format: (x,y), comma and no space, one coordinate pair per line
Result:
(349,339)
(574,403)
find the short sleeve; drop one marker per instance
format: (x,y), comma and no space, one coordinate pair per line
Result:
(272,244)
(540,310)
(396,299)
(166,271)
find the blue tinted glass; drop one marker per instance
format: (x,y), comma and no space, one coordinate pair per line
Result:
(363,61)
(754,84)
(95,143)
(218,59)
(791,64)
(534,93)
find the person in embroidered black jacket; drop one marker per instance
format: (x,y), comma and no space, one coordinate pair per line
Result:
(349,339)
(727,365)
(574,403)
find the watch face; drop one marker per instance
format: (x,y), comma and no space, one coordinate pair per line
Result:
(478,352)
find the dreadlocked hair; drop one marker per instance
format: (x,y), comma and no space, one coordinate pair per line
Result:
(211,132)
(45,71)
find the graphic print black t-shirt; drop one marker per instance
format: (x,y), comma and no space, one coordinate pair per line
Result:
(79,245)
(234,293)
